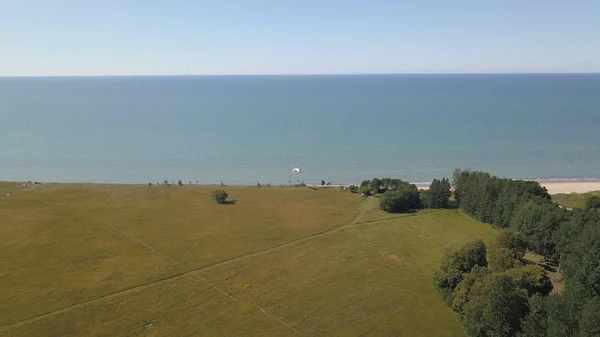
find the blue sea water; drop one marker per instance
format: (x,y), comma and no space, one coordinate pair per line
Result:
(343,129)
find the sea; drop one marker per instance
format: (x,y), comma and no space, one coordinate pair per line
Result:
(338,128)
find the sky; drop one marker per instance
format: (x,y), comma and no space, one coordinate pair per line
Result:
(177,37)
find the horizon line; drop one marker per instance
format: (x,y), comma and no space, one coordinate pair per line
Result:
(308,74)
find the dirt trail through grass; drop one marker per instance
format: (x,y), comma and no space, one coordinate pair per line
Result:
(367,205)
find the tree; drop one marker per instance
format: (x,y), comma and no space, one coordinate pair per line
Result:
(514,241)
(460,295)
(179,182)
(376,185)
(502,259)
(531,278)
(456,263)
(538,221)
(590,318)
(220,196)
(592,202)
(353,188)
(322,182)
(400,201)
(439,193)
(535,323)
(364,190)
(165,182)
(495,307)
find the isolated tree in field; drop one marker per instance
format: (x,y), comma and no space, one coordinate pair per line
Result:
(322,182)
(220,196)
(179,182)
(438,195)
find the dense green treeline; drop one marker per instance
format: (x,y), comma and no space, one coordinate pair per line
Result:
(398,196)
(494,292)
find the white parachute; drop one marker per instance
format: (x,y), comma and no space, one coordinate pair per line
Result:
(297,170)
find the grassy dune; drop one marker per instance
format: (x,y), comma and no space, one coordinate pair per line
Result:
(573,200)
(106,259)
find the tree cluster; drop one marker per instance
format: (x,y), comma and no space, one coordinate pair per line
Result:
(505,298)
(396,196)
(492,295)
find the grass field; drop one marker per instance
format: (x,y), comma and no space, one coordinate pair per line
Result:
(107,260)
(573,200)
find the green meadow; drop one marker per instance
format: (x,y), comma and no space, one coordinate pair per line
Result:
(132,260)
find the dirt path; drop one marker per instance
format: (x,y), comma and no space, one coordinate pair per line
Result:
(367,205)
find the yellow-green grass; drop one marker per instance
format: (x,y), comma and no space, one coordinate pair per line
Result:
(573,200)
(66,245)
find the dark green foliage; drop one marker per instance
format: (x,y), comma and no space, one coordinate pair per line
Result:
(581,246)
(460,295)
(364,190)
(439,193)
(501,259)
(539,221)
(491,199)
(353,188)
(377,186)
(423,197)
(220,196)
(531,278)
(495,308)
(535,323)
(506,307)
(571,237)
(179,182)
(589,323)
(515,242)
(456,263)
(400,201)
(322,182)
(592,202)
(564,312)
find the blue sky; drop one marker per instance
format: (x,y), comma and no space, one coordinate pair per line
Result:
(145,37)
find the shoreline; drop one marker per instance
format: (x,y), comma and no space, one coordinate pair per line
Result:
(554,186)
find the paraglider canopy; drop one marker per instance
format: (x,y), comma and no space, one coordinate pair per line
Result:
(297,170)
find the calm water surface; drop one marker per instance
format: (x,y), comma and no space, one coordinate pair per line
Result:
(343,129)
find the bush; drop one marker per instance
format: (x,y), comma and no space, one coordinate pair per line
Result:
(401,200)
(220,196)
(353,188)
(592,202)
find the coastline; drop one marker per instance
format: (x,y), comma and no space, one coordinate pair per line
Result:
(554,186)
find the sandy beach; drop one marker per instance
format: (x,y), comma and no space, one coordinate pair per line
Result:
(571,187)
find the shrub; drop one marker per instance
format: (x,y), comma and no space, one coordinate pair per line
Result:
(353,188)
(220,196)
(401,200)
